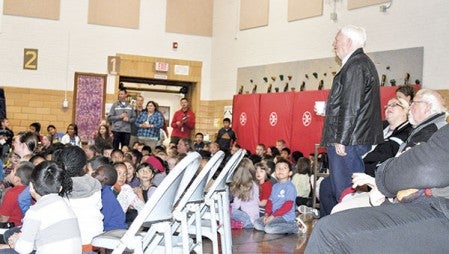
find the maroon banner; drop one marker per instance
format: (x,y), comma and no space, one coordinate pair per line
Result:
(275,118)
(245,120)
(307,125)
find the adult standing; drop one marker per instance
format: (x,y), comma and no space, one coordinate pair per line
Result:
(183,122)
(353,116)
(121,116)
(138,108)
(149,122)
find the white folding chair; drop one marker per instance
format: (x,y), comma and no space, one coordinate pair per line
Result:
(215,209)
(157,212)
(190,203)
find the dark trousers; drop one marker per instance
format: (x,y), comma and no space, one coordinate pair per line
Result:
(120,139)
(416,227)
(327,198)
(342,167)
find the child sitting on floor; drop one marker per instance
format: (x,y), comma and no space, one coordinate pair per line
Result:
(114,217)
(19,178)
(265,185)
(280,210)
(50,216)
(245,207)
(145,173)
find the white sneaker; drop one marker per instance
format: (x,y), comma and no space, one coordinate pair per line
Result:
(303,209)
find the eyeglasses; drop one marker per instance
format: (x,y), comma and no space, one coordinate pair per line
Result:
(413,102)
(392,105)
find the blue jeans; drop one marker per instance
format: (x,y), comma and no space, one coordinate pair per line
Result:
(243,217)
(276,226)
(342,167)
(415,227)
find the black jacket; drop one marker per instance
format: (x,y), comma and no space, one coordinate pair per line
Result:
(353,113)
(387,149)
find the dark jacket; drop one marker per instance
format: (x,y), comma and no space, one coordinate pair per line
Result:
(423,131)
(423,166)
(353,113)
(387,149)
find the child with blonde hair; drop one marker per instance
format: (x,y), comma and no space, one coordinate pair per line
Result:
(245,206)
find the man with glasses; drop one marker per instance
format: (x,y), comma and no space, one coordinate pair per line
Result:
(427,114)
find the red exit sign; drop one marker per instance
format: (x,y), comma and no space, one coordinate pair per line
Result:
(161,66)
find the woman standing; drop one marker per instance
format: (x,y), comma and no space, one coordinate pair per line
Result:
(149,122)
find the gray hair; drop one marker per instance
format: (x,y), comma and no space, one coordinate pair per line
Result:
(356,34)
(434,99)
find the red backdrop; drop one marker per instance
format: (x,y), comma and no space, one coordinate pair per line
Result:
(265,118)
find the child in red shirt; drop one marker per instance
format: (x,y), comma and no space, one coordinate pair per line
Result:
(19,178)
(265,185)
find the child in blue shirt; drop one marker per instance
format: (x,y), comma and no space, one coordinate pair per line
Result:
(114,217)
(280,209)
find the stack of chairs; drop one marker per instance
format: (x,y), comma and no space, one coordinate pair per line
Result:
(180,212)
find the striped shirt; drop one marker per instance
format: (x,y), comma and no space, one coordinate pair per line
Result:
(49,226)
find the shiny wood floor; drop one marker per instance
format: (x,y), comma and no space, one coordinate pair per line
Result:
(253,241)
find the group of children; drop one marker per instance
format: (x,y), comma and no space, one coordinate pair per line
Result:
(267,201)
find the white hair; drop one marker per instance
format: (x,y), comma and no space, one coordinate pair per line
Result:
(356,34)
(434,99)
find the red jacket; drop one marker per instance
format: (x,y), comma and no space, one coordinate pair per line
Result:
(188,123)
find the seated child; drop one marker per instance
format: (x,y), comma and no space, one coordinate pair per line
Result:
(279,215)
(145,173)
(301,181)
(19,178)
(114,217)
(265,185)
(127,198)
(85,198)
(49,216)
(245,206)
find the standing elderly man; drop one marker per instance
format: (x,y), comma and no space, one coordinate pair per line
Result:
(353,115)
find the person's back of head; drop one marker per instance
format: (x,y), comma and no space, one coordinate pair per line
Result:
(106,174)
(98,161)
(23,171)
(296,155)
(242,180)
(304,166)
(48,178)
(73,159)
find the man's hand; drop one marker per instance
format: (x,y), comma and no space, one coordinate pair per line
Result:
(360,179)
(340,149)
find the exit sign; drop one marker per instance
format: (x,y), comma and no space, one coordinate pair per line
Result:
(161,66)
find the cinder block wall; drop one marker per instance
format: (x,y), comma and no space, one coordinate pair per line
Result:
(25,106)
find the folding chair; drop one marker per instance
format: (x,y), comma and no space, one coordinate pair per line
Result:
(215,210)
(157,212)
(190,203)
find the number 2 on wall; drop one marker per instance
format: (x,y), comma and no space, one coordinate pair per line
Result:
(30,59)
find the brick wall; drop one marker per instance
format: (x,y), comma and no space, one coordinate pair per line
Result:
(25,106)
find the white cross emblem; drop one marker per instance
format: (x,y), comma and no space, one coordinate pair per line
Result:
(243,118)
(273,118)
(306,118)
